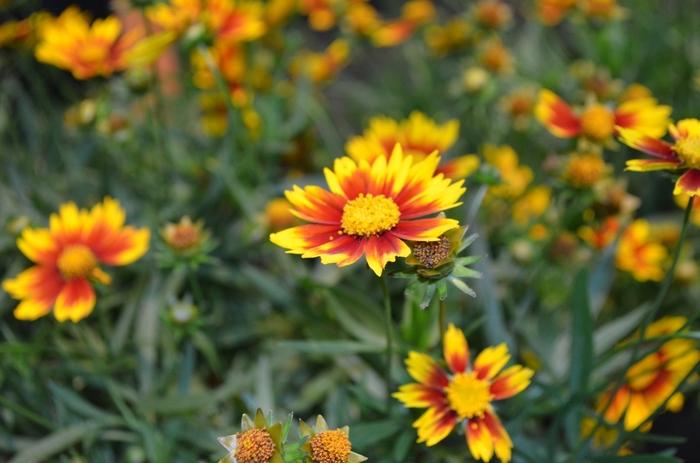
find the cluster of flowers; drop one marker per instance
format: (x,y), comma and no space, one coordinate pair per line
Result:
(262,441)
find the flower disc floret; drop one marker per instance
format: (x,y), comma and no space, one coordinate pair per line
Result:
(597,122)
(432,253)
(76,261)
(468,395)
(254,446)
(369,215)
(688,150)
(330,447)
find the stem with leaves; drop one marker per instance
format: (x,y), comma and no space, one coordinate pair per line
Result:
(388,322)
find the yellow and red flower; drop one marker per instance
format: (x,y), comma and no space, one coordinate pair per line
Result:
(99,49)
(463,395)
(235,20)
(601,236)
(322,66)
(640,254)
(67,256)
(654,380)
(682,154)
(414,13)
(598,122)
(370,210)
(419,136)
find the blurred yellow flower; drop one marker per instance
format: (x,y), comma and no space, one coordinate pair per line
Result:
(551,12)
(99,49)
(519,104)
(514,177)
(235,20)
(532,204)
(639,254)
(452,36)
(496,58)
(653,380)
(464,395)
(321,13)
(278,214)
(419,137)
(584,170)
(414,13)
(175,15)
(493,14)
(362,17)
(67,258)
(601,235)
(324,66)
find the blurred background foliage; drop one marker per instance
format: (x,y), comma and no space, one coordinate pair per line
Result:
(137,382)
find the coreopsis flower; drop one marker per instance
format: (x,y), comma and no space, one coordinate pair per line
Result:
(87,50)
(654,380)
(324,66)
(185,235)
(235,20)
(362,17)
(419,136)
(175,15)
(639,254)
(532,204)
(452,36)
(601,9)
(277,12)
(464,395)
(515,178)
(584,170)
(325,445)
(519,105)
(257,442)
(492,14)
(321,13)
(598,122)
(414,14)
(67,258)
(551,12)
(371,210)
(230,61)
(496,58)
(682,155)
(602,235)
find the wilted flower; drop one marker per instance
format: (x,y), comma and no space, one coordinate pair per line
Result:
(325,445)
(370,210)
(99,49)
(67,256)
(639,254)
(184,235)
(419,136)
(683,154)
(598,122)
(257,442)
(464,395)
(654,379)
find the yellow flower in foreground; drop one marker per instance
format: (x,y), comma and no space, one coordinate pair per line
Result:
(419,136)
(464,395)
(370,210)
(67,256)
(639,254)
(325,445)
(99,49)
(653,380)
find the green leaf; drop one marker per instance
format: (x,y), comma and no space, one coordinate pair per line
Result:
(581,360)
(637,459)
(327,347)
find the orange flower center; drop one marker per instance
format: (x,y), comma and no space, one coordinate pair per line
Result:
(585,170)
(468,395)
(597,122)
(688,150)
(330,447)
(77,261)
(369,215)
(254,446)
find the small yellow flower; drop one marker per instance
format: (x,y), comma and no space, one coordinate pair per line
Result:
(584,170)
(496,58)
(532,204)
(325,445)
(493,14)
(324,66)
(640,255)
(515,178)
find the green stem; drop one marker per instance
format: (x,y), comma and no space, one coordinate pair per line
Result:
(389,339)
(651,315)
(442,309)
